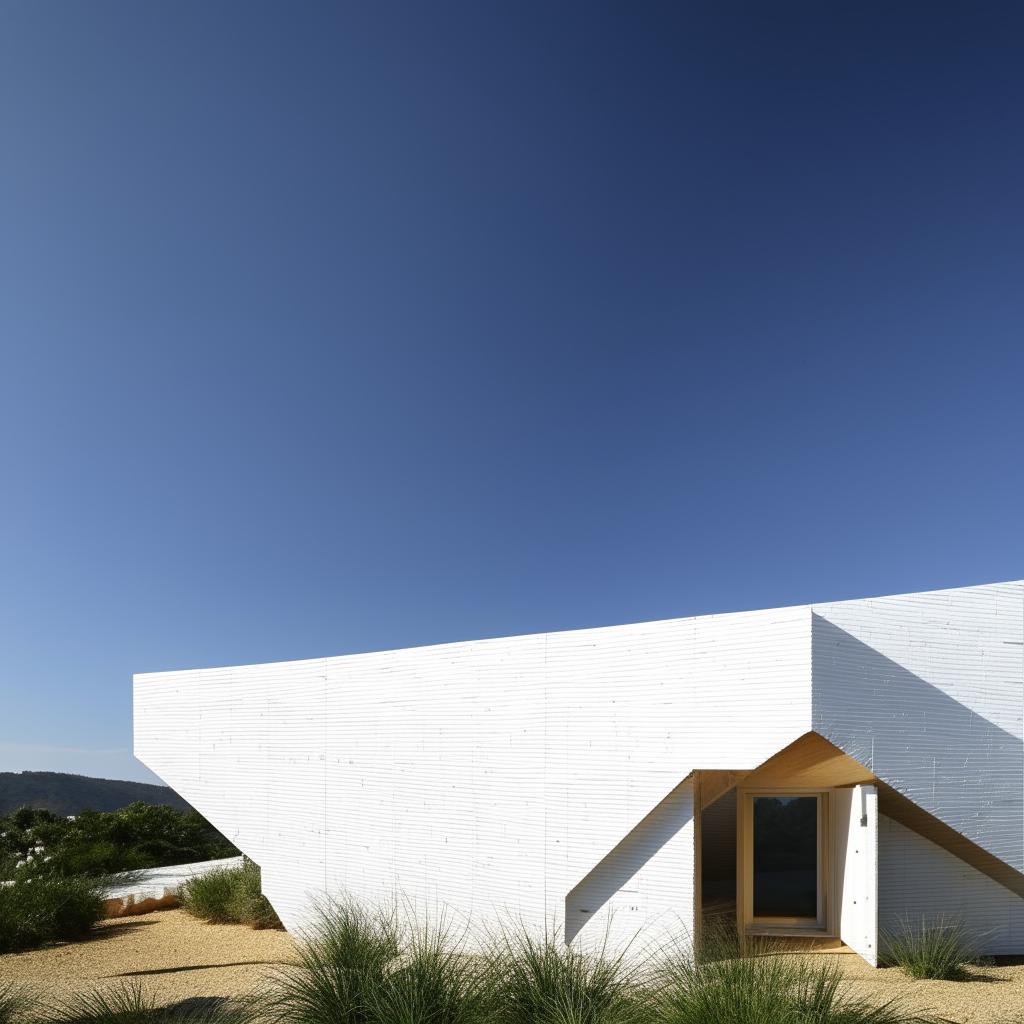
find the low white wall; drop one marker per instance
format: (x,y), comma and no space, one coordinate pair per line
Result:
(141,891)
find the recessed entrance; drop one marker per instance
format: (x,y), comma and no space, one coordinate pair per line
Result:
(808,872)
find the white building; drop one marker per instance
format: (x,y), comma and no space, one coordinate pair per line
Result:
(824,770)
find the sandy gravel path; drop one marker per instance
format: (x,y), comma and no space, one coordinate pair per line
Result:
(995,995)
(172,955)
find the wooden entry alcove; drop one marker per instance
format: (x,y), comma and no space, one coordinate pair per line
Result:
(819,884)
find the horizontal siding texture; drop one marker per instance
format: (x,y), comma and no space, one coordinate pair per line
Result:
(539,777)
(927,690)
(919,881)
(484,779)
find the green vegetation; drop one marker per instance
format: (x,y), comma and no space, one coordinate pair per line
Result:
(432,982)
(932,949)
(543,980)
(35,909)
(99,843)
(362,968)
(338,969)
(210,896)
(52,870)
(359,968)
(365,967)
(229,896)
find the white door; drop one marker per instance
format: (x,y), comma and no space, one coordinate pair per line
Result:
(856,868)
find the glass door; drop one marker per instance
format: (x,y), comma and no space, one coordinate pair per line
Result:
(784,862)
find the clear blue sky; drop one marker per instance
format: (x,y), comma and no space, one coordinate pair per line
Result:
(329,327)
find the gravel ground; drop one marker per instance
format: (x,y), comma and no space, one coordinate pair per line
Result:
(176,957)
(172,955)
(995,994)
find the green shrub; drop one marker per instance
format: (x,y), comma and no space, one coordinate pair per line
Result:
(128,1005)
(47,908)
(339,971)
(938,948)
(229,896)
(764,986)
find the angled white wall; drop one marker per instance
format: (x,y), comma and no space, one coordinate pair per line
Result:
(491,777)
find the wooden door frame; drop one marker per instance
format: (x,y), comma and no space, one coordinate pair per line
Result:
(825,922)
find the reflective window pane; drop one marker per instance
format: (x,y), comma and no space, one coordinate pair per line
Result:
(785,856)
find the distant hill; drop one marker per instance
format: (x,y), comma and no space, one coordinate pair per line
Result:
(68,794)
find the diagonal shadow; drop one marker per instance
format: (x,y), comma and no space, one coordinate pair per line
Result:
(957,765)
(615,870)
(191,967)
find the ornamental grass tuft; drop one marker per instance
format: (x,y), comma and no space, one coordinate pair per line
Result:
(364,967)
(340,968)
(763,985)
(541,980)
(935,949)
(432,981)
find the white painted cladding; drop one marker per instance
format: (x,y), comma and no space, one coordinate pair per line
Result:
(490,777)
(641,895)
(542,777)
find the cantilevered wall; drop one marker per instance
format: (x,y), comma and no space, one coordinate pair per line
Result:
(547,777)
(491,777)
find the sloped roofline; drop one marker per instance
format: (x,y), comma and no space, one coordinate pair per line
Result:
(580,630)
